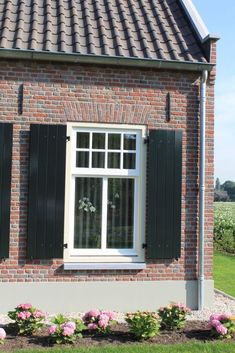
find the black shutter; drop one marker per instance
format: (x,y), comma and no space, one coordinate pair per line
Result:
(164,194)
(46,191)
(5,186)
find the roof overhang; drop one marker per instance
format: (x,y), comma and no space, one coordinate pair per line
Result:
(197,22)
(104,60)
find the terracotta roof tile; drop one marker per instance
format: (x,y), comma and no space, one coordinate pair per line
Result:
(152,29)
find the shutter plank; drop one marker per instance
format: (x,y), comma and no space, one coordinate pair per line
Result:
(164,194)
(178,191)
(41,221)
(47,180)
(33,191)
(60,190)
(6,131)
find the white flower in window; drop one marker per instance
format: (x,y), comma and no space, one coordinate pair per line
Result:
(86,205)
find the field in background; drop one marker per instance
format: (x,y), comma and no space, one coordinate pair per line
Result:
(227,208)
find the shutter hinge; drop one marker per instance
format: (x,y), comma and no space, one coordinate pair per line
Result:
(65,246)
(146,140)
(144,245)
(67,138)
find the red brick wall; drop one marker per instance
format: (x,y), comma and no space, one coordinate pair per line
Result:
(57,93)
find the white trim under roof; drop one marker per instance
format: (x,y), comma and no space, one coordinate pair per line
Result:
(195,19)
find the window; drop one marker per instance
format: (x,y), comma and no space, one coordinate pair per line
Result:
(105,193)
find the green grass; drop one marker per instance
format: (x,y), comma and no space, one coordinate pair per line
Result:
(218,347)
(225,208)
(224,273)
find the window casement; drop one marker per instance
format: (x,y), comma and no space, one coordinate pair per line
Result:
(105,193)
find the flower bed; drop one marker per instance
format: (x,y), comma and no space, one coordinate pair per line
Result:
(194,331)
(167,326)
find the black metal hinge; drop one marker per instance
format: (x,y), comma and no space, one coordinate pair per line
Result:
(67,138)
(144,245)
(65,246)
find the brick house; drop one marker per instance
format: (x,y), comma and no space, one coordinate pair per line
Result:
(102,105)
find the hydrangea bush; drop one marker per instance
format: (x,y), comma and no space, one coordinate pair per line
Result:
(143,325)
(173,316)
(64,330)
(2,335)
(98,320)
(27,319)
(222,326)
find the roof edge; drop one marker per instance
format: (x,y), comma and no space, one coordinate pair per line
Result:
(197,22)
(104,60)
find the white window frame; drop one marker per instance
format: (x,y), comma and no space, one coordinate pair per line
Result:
(136,254)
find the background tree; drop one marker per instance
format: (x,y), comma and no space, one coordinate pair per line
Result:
(217,184)
(229,186)
(221,195)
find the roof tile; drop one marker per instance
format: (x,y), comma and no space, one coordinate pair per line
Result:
(151,29)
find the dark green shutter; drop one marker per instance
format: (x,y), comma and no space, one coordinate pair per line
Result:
(5,186)
(46,191)
(164,194)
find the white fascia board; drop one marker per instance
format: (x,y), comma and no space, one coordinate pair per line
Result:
(195,19)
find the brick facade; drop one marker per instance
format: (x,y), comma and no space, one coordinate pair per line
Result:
(58,93)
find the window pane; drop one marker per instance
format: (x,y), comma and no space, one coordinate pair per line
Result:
(98,141)
(129,161)
(120,216)
(82,159)
(98,159)
(114,160)
(129,142)
(114,141)
(88,213)
(83,139)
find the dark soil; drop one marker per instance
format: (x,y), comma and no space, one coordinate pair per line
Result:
(194,331)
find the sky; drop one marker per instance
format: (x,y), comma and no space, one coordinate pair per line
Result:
(219,17)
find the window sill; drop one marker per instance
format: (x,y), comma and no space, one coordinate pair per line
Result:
(104,266)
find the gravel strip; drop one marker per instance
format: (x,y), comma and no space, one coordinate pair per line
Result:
(222,304)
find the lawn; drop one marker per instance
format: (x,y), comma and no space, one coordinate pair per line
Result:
(218,347)
(224,265)
(224,273)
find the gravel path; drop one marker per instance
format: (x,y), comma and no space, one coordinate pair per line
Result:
(222,304)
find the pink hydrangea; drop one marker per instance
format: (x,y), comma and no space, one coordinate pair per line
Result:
(214,317)
(67,331)
(93,313)
(38,314)
(23,315)
(103,324)
(69,324)
(221,329)
(103,321)
(92,326)
(52,329)
(111,315)
(215,323)
(2,334)
(26,306)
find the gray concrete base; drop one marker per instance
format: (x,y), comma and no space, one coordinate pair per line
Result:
(56,297)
